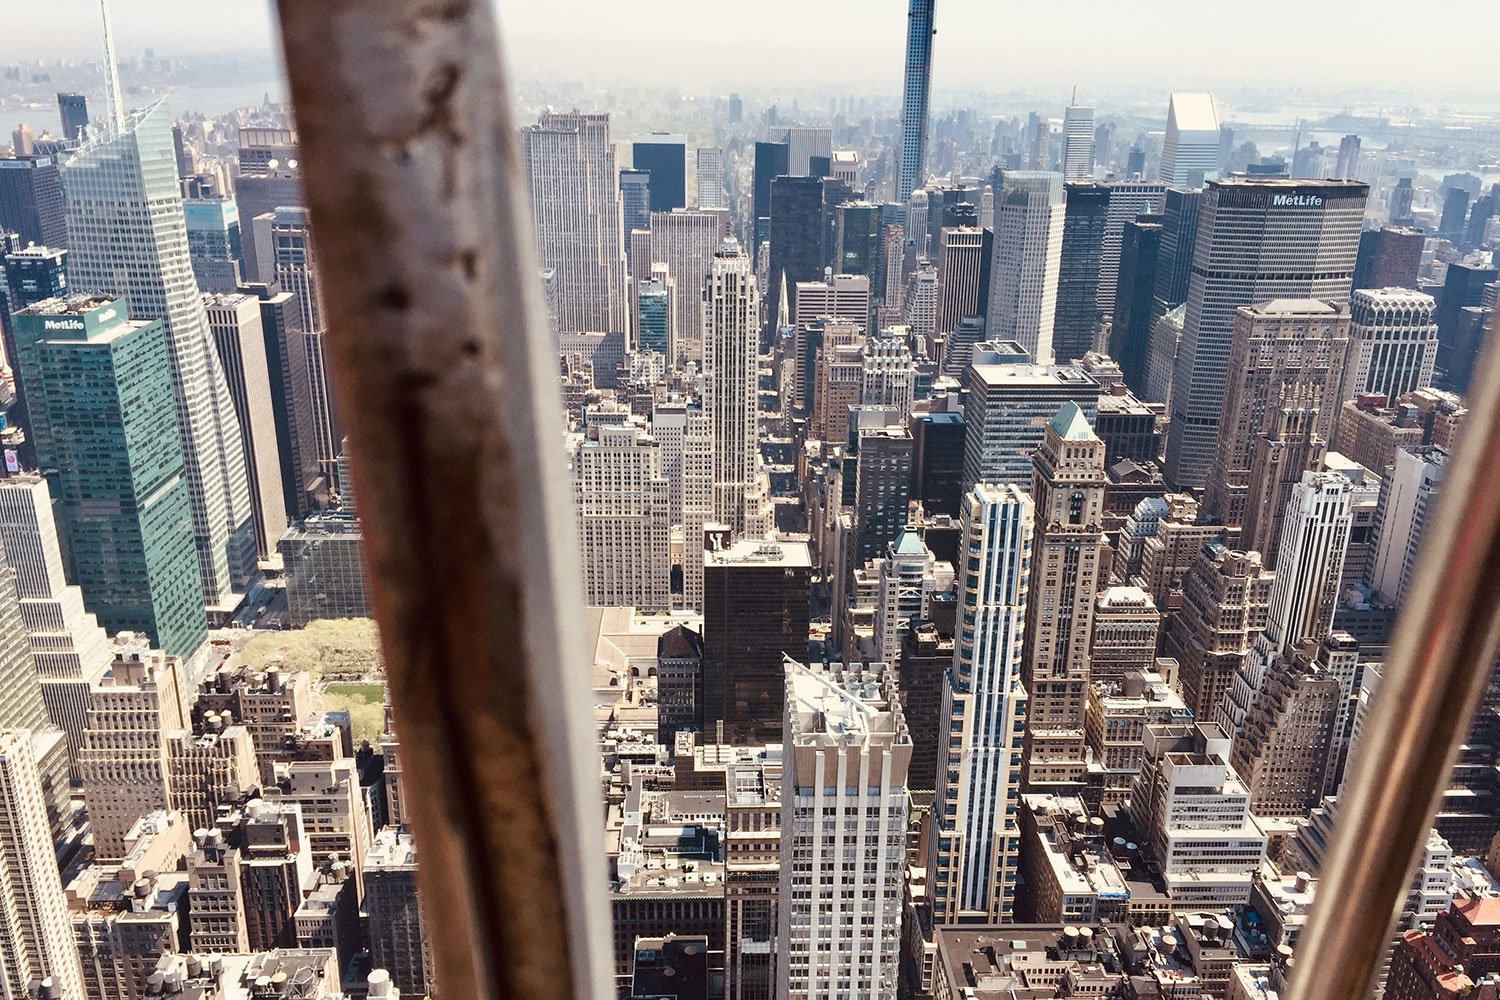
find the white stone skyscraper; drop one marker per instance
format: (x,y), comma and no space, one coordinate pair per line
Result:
(36,933)
(1393,342)
(69,649)
(711,192)
(624,520)
(1025,261)
(1190,154)
(1314,541)
(843,820)
(1259,239)
(974,850)
(1078,142)
(127,237)
(731,382)
(686,243)
(575,207)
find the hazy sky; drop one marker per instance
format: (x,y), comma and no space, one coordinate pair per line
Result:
(855,46)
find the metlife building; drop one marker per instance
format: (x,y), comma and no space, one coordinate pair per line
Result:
(1259,239)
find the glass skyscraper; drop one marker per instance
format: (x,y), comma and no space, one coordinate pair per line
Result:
(128,239)
(111,448)
(919,32)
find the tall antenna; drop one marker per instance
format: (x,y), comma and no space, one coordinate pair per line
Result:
(114,102)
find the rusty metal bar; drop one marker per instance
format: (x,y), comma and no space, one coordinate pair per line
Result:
(1444,646)
(447,385)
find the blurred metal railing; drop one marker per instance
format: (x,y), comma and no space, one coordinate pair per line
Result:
(447,384)
(1444,646)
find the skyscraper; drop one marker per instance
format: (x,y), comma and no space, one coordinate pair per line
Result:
(975,846)
(214,243)
(128,238)
(1067,489)
(73,109)
(858,243)
(1281,350)
(710,172)
(303,486)
(635,202)
(1190,154)
(664,157)
(286,249)
(960,264)
(69,650)
(111,448)
(1389,257)
(1174,262)
(1260,239)
(731,310)
(796,233)
(756,598)
(1008,407)
(575,205)
(239,335)
(771,160)
(35,932)
(1348,163)
(686,243)
(621,499)
(1130,327)
(1085,214)
(915,92)
(1458,349)
(843,813)
(1393,342)
(1078,142)
(1408,492)
(31,276)
(1029,212)
(1127,200)
(31,201)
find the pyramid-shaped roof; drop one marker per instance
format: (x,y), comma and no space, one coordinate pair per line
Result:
(1071,425)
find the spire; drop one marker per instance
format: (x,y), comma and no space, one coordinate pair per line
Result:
(113,100)
(783,314)
(1075,95)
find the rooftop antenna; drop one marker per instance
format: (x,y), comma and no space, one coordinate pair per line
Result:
(1075,94)
(114,102)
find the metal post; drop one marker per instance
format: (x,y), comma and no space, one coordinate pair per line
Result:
(1444,647)
(447,383)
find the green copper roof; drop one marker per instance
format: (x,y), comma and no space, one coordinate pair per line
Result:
(1071,424)
(909,543)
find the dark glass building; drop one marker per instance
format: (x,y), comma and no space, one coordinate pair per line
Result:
(859,243)
(797,237)
(635,202)
(664,157)
(31,200)
(1076,316)
(1174,261)
(756,601)
(937,463)
(32,275)
(74,111)
(883,484)
(1458,339)
(1389,257)
(1130,328)
(771,159)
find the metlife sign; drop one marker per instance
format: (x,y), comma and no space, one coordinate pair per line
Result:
(1296,201)
(62,324)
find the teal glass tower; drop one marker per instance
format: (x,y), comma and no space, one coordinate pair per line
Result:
(108,441)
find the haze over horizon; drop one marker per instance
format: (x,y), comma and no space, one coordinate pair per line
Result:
(847,46)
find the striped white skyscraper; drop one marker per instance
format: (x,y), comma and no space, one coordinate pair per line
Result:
(36,933)
(711,178)
(1025,261)
(1393,342)
(127,237)
(1314,541)
(974,851)
(731,338)
(1190,154)
(843,817)
(1078,142)
(575,207)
